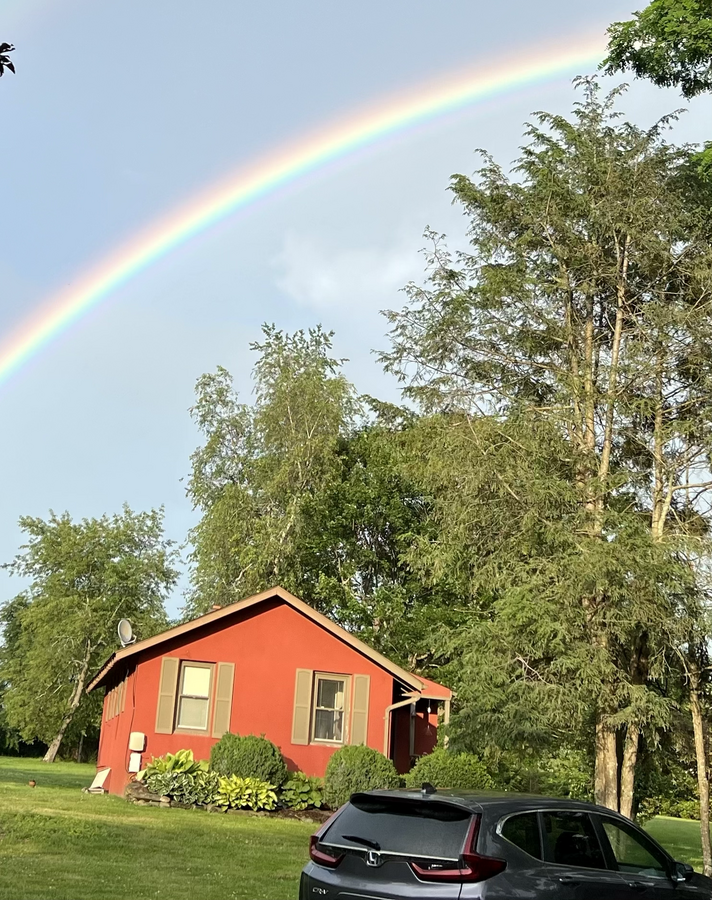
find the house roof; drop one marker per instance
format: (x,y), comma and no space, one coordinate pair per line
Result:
(407,678)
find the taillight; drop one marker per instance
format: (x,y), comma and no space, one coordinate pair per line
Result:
(472,866)
(323,857)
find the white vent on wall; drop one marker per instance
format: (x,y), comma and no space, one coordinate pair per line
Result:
(137,741)
(135,762)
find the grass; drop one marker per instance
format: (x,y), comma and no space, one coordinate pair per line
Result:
(57,842)
(680,837)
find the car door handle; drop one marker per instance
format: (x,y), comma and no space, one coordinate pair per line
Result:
(568,879)
(637,885)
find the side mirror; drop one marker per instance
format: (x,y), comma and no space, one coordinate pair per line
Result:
(682,872)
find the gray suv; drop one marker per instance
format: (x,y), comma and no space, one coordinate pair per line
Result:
(447,845)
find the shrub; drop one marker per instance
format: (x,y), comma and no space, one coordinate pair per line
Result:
(248,757)
(302,792)
(357,768)
(444,769)
(245,793)
(186,787)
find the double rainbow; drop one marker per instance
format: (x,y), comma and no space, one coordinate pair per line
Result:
(267,175)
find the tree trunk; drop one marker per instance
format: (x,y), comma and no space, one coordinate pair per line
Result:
(703,779)
(606,771)
(630,758)
(53,748)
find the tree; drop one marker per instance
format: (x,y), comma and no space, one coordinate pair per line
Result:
(577,324)
(85,576)
(262,465)
(304,490)
(5,61)
(669,42)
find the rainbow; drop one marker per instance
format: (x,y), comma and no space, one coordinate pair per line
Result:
(251,182)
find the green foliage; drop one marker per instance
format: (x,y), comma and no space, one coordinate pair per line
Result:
(301,791)
(248,756)
(669,42)
(262,465)
(191,787)
(357,768)
(443,768)
(84,577)
(564,361)
(181,761)
(234,792)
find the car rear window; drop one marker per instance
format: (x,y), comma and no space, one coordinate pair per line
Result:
(430,829)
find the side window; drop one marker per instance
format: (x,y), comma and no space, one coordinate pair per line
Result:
(633,852)
(571,840)
(523,832)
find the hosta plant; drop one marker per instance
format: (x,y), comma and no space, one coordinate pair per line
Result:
(245,793)
(302,792)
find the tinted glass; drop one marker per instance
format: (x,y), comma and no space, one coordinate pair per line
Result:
(523,830)
(571,840)
(632,850)
(420,829)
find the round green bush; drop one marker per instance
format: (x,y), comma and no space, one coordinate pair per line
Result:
(357,768)
(443,769)
(248,756)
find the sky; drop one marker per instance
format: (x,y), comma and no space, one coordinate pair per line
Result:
(123,110)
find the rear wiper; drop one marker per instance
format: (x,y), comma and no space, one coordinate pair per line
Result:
(365,841)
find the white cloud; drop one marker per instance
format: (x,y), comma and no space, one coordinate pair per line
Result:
(350,280)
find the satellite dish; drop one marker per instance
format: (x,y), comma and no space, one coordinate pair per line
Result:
(126,635)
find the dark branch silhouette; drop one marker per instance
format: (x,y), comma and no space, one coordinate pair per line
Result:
(5,61)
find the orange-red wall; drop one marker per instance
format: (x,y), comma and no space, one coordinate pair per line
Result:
(267,644)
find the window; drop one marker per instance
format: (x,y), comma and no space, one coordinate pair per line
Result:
(632,850)
(194,696)
(328,718)
(571,840)
(523,832)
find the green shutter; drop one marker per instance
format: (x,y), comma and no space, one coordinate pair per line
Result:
(302,706)
(165,711)
(359,716)
(225,677)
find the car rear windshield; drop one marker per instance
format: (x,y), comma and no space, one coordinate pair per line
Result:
(428,829)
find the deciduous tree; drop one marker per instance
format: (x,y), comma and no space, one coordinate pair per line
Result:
(85,576)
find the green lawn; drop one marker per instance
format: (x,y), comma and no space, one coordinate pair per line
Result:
(680,837)
(56,842)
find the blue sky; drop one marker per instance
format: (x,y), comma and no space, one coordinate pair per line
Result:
(124,108)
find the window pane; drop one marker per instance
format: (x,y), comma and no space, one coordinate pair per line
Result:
(524,832)
(330,693)
(572,840)
(632,851)
(192,713)
(328,725)
(196,681)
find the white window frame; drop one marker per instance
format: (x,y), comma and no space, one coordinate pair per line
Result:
(331,676)
(188,729)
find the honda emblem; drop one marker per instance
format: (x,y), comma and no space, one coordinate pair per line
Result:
(373,858)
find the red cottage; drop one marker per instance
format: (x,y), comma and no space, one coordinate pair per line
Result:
(268,665)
